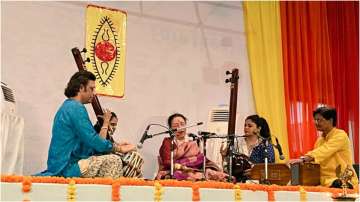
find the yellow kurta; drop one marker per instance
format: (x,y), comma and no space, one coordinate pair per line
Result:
(330,152)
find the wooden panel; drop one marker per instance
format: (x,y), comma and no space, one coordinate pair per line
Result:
(305,174)
(278,173)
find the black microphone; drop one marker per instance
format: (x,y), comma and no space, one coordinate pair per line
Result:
(144,137)
(172,131)
(193,136)
(182,128)
(205,133)
(278,146)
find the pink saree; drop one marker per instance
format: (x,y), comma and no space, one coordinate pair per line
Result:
(190,158)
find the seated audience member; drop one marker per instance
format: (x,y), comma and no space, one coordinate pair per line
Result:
(188,160)
(331,150)
(74,138)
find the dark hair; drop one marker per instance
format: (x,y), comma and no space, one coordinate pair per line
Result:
(171,118)
(81,77)
(100,122)
(326,112)
(260,122)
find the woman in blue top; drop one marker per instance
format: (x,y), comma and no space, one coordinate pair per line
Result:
(257,138)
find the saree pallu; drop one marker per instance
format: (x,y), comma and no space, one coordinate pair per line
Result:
(188,155)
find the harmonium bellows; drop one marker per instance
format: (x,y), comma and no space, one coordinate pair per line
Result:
(307,174)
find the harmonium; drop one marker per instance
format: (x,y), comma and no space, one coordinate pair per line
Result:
(307,174)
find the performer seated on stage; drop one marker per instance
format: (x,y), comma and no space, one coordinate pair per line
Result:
(106,128)
(332,149)
(256,132)
(188,160)
(74,138)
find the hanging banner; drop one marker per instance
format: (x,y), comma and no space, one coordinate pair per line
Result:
(106,45)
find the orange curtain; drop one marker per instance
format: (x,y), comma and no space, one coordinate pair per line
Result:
(343,19)
(307,70)
(320,42)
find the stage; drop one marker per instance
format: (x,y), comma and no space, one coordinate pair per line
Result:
(19,188)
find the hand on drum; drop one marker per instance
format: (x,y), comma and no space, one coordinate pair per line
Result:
(121,143)
(125,148)
(128,148)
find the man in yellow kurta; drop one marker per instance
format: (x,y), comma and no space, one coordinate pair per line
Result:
(331,150)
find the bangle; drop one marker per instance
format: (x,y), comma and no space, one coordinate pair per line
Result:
(104,128)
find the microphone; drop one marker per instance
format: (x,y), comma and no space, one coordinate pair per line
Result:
(205,133)
(278,146)
(172,131)
(182,128)
(193,136)
(144,137)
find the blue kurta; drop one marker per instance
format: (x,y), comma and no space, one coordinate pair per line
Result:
(73,138)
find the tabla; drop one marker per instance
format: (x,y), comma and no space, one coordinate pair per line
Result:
(132,164)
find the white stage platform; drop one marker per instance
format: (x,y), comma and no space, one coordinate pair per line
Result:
(140,190)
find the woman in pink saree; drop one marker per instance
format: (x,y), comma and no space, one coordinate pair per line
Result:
(188,160)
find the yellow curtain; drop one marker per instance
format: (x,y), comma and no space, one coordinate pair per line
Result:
(263,29)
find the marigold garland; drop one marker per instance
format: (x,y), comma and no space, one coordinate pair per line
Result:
(237,193)
(71,191)
(174,183)
(158,191)
(195,192)
(115,192)
(26,188)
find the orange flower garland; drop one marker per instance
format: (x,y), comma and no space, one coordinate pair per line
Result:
(26,187)
(172,183)
(115,193)
(195,192)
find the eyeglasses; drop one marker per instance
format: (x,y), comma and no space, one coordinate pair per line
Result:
(176,125)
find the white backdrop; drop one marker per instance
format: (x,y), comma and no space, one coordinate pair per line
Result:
(177,55)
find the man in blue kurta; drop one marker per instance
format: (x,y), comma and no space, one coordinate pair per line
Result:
(74,139)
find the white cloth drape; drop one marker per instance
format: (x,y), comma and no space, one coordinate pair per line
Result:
(12,142)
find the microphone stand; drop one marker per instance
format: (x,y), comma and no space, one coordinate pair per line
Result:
(231,151)
(204,153)
(204,138)
(172,135)
(266,153)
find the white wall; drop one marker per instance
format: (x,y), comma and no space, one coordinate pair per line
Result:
(177,55)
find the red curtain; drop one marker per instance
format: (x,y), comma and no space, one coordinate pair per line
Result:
(310,70)
(343,20)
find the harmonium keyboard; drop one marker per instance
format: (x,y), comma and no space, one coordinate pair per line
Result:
(307,174)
